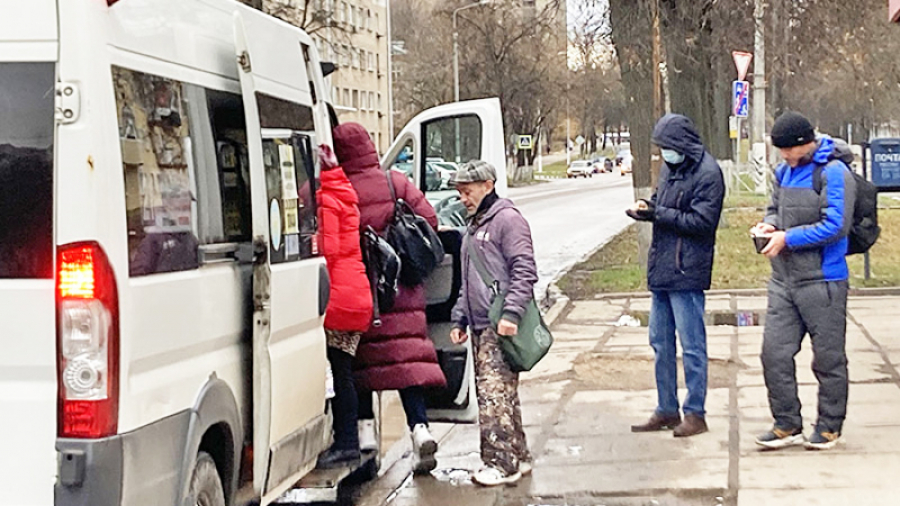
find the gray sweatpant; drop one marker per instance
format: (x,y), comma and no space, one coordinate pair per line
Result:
(819,309)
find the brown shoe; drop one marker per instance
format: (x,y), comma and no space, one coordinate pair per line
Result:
(658,422)
(691,426)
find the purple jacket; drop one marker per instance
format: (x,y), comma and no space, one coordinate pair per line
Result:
(504,239)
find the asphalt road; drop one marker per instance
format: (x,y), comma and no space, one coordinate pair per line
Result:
(571,218)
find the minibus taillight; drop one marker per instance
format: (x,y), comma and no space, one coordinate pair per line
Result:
(87,342)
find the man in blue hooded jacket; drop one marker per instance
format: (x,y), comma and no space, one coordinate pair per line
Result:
(808,220)
(685,212)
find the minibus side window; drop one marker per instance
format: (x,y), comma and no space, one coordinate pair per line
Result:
(184,157)
(26,170)
(288,138)
(154,135)
(226,112)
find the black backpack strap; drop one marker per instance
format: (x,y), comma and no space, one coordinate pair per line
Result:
(390,182)
(371,274)
(820,169)
(817,177)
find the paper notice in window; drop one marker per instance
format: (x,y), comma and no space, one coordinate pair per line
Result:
(288,174)
(291,217)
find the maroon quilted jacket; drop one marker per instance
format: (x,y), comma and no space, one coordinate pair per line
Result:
(398,354)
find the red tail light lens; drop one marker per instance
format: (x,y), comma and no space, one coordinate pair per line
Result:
(88,342)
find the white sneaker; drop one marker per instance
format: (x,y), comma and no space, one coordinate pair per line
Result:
(490,476)
(424,448)
(525,467)
(368,440)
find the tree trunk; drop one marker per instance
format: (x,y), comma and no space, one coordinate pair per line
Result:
(632,26)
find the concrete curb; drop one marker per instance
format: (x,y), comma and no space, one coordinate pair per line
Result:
(559,306)
(752,292)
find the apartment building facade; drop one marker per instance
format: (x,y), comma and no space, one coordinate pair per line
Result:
(354,35)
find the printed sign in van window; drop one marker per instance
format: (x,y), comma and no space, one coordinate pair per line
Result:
(186,169)
(288,140)
(154,133)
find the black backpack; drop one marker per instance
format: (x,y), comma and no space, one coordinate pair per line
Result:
(382,269)
(865,230)
(417,244)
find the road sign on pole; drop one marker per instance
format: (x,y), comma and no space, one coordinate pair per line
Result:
(742,62)
(741,94)
(524,142)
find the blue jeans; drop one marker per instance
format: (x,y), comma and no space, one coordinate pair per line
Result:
(681,311)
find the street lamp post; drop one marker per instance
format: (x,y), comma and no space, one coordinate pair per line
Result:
(456,46)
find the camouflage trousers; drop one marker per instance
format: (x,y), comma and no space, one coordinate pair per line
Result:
(503,442)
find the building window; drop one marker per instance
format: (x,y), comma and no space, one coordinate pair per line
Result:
(371,62)
(379,101)
(371,100)
(369,19)
(355,103)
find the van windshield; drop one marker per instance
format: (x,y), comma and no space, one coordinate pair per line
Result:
(26,170)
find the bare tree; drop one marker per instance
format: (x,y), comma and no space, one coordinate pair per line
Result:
(506,51)
(600,96)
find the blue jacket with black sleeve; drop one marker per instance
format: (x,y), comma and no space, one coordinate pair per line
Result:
(816,224)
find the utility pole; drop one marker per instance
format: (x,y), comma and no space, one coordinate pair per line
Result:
(758,151)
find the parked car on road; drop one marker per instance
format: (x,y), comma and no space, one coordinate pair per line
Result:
(580,168)
(623,162)
(602,164)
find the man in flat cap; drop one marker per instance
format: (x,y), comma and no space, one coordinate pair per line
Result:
(498,244)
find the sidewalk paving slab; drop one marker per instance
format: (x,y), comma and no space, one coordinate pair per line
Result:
(579,404)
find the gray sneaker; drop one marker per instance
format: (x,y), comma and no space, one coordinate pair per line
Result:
(777,439)
(823,440)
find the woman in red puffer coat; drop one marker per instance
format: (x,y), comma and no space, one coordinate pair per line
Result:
(349,311)
(397,355)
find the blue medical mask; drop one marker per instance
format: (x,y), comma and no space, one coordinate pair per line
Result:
(671,156)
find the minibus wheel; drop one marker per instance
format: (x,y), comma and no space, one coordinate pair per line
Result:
(206,485)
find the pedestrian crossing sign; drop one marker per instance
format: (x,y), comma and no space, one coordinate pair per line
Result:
(525,142)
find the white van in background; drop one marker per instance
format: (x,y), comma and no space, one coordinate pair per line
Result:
(160,283)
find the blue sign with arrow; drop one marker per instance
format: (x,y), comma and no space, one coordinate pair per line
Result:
(741,93)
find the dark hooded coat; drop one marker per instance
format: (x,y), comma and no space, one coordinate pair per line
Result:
(688,202)
(398,354)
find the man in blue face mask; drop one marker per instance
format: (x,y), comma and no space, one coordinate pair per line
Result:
(685,212)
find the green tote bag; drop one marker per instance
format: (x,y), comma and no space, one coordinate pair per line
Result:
(533,340)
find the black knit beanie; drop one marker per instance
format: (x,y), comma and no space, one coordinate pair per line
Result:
(792,129)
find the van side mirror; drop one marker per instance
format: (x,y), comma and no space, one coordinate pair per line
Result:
(328,68)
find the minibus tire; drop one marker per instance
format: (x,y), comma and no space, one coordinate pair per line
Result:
(206,484)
